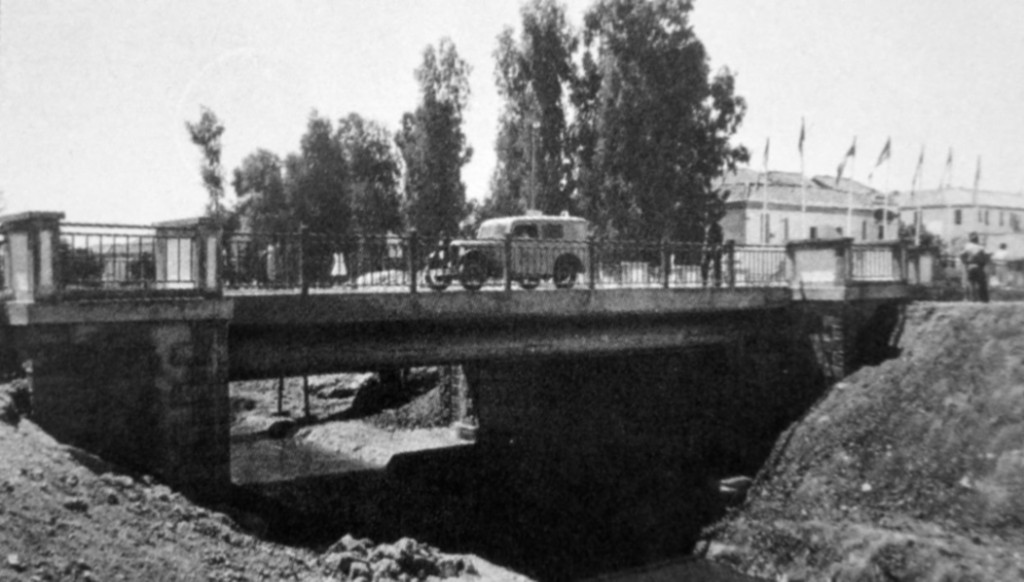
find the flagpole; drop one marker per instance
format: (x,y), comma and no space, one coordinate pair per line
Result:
(885,217)
(849,190)
(803,186)
(764,197)
(849,196)
(917,202)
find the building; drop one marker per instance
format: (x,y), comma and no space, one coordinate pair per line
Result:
(775,211)
(953,213)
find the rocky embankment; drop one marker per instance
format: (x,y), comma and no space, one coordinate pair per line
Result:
(69,515)
(911,470)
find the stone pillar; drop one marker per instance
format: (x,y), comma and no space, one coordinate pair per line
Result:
(31,255)
(142,384)
(820,261)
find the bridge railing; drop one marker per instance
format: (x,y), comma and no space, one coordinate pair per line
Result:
(42,257)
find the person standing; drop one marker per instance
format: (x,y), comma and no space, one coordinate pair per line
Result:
(999,261)
(711,259)
(975,259)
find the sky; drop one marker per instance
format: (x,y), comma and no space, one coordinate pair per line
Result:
(94,94)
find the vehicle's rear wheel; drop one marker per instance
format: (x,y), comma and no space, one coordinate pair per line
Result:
(565,272)
(529,283)
(437,279)
(474,274)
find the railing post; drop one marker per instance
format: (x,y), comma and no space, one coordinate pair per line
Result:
(730,254)
(413,258)
(507,257)
(206,252)
(666,264)
(32,259)
(844,261)
(303,279)
(592,262)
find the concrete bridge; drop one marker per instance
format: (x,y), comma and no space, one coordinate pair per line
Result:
(131,334)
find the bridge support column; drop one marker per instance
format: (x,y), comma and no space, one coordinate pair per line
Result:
(139,383)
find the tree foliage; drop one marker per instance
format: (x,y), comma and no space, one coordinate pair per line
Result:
(259,187)
(206,134)
(532,74)
(433,144)
(374,174)
(652,129)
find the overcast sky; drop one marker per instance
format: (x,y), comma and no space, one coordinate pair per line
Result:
(94,94)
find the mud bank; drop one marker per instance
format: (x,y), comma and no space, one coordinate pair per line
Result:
(909,470)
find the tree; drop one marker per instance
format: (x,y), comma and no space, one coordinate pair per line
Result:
(532,76)
(259,187)
(434,146)
(652,130)
(206,134)
(374,174)
(317,193)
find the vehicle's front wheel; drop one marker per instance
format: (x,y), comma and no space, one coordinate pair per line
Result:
(474,274)
(565,272)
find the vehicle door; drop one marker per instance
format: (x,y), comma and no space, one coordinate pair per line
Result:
(525,237)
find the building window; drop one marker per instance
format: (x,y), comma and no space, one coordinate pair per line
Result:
(1002,218)
(958,217)
(881,232)
(785,229)
(986,217)
(864,230)
(814,232)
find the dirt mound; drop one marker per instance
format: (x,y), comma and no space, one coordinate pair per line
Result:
(432,401)
(68,515)
(911,470)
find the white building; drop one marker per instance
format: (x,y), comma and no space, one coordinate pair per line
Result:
(953,213)
(779,209)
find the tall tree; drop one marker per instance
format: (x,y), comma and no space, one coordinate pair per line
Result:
(317,193)
(374,174)
(315,180)
(653,128)
(206,134)
(434,146)
(532,75)
(259,187)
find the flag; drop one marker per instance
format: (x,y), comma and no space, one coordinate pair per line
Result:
(947,172)
(850,153)
(800,144)
(767,144)
(920,165)
(883,156)
(977,180)
(886,153)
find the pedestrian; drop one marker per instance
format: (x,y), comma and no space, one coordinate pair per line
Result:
(999,261)
(975,259)
(712,255)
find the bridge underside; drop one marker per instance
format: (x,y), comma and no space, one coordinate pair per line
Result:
(272,351)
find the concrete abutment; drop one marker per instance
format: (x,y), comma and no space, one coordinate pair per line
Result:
(144,385)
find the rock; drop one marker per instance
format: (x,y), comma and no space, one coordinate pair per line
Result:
(76,504)
(386,567)
(280,429)
(14,562)
(347,543)
(119,481)
(360,571)
(336,562)
(450,567)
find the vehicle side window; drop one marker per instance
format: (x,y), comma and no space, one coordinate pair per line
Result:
(525,231)
(553,231)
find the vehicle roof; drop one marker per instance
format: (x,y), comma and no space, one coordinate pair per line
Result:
(538,218)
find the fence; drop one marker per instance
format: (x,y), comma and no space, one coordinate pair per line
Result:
(194,257)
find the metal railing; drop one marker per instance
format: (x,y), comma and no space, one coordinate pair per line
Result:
(93,257)
(193,256)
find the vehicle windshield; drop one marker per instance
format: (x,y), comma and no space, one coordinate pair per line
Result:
(492,230)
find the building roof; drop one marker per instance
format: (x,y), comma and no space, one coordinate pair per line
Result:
(746,185)
(961,197)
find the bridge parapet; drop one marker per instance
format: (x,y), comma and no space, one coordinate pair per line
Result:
(45,259)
